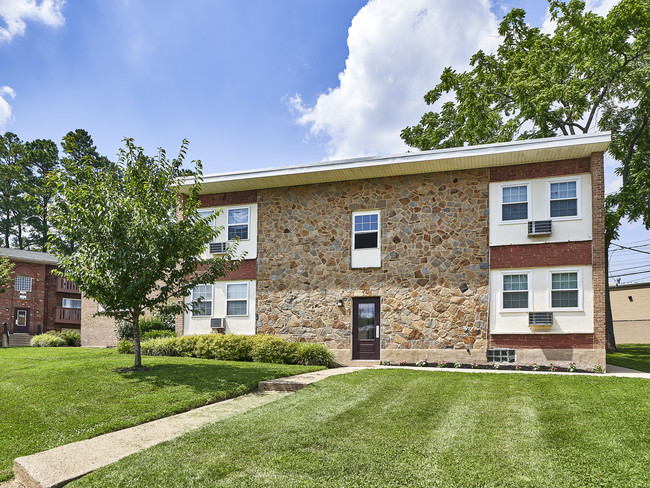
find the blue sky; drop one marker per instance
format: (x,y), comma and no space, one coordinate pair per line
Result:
(250,84)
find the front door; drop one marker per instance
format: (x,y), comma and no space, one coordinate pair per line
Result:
(365,328)
(21,320)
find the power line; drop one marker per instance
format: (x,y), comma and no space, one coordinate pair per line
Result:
(630,248)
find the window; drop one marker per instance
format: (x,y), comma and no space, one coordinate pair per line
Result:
(366,231)
(206,214)
(71,303)
(515,291)
(564,199)
(23,283)
(237,223)
(514,200)
(237,299)
(501,355)
(564,290)
(202,308)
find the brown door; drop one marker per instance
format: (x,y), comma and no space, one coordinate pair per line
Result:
(365,328)
(21,320)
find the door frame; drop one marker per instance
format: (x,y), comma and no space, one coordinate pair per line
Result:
(356,342)
(18,330)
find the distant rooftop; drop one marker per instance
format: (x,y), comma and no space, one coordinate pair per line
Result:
(23,256)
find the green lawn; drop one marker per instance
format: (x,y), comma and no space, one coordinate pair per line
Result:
(404,428)
(53,396)
(633,356)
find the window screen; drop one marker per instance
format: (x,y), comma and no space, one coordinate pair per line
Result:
(515,291)
(514,203)
(564,290)
(238,223)
(237,299)
(203,307)
(564,199)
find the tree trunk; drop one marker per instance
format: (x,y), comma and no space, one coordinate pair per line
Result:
(136,340)
(610,340)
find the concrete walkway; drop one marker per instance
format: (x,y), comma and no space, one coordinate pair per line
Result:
(63,464)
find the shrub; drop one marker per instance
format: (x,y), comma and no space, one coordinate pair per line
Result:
(161,346)
(186,345)
(125,347)
(235,347)
(272,349)
(71,338)
(156,333)
(124,329)
(310,354)
(49,339)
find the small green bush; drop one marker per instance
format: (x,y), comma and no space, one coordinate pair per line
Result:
(71,338)
(156,333)
(161,346)
(311,354)
(272,349)
(124,329)
(125,347)
(234,347)
(186,345)
(49,339)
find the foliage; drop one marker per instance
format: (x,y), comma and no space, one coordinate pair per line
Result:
(138,239)
(49,339)
(598,369)
(572,367)
(309,353)
(71,338)
(156,333)
(124,346)
(6,270)
(421,363)
(633,356)
(160,346)
(124,328)
(272,349)
(186,345)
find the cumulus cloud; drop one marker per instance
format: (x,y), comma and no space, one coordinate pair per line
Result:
(397,51)
(16,13)
(5,108)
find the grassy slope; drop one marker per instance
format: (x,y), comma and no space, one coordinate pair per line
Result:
(53,396)
(633,356)
(410,428)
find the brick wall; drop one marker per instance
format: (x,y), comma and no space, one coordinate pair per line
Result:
(537,170)
(96,330)
(598,246)
(541,255)
(543,341)
(223,199)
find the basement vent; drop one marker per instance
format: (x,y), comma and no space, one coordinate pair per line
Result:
(501,355)
(218,247)
(540,318)
(217,324)
(539,228)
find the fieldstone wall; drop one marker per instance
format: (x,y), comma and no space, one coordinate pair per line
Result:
(434,237)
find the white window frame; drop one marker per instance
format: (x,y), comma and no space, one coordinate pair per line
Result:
(23,280)
(238,299)
(211,301)
(526,272)
(248,223)
(578,215)
(77,300)
(551,272)
(529,201)
(354,232)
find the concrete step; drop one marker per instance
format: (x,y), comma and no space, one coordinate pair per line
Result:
(19,340)
(298,382)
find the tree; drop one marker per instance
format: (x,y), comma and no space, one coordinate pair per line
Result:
(79,148)
(6,269)
(590,74)
(133,253)
(14,176)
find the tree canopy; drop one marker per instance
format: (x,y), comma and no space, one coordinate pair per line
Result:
(139,240)
(6,270)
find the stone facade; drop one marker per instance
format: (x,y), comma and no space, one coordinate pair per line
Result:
(434,239)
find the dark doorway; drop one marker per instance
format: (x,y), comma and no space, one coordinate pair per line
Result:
(365,328)
(21,321)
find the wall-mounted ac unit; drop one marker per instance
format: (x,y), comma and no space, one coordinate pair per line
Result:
(540,319)
(218,247)
(217,324)
(539,228)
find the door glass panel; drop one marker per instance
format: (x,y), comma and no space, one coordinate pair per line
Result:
(22,318)
(366,321)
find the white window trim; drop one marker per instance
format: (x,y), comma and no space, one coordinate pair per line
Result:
(578,216)
(529,201)
(580,306)
(248,294)
(367,212)
(248,223)
(526,272)
(194,316)
(28,279)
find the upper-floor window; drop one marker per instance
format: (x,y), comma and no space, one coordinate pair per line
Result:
(23,283)
(565,290)
(515,291)
(366,231)
(202,308)
(564,198)
(238,223)
(237,299)
(71,303)
(514,203)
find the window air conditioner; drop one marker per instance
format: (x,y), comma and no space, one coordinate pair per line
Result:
(540,319)
(218,247)
(539,228)
(217,324)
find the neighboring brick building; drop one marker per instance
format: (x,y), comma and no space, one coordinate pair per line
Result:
(36,300)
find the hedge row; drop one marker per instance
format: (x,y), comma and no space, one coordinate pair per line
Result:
(56,339)
(232,347)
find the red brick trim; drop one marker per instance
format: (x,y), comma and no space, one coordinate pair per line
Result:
(233,198)
(247,271)
(540,170)
(541,255)
(543,341)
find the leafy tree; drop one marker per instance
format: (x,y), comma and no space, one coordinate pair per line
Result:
(79,148)
(14,177)
(6,269)
(133,253)
(590,74)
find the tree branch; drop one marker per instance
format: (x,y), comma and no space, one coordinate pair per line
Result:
(630,149)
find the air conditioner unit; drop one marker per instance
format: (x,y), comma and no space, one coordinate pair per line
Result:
(539,228)
(217,324)
(218,247)
(540,319)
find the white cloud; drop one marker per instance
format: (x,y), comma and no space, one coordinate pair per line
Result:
(5,108)
(16,13)
(600,7)
(397,51)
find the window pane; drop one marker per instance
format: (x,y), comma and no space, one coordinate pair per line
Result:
(237,231)
(236,307)
(366,222)
(205,213)
(238,216)
(565,189)
(564,281)
(202,291)
(515,282)
(237,291)
(515,194)
(366,321)
(564,298)
(365,241)
(71,303)
(202,309)
(23,283)
(515,299)
(514,211)
(564,208)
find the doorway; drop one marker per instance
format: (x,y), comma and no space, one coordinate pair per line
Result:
(365,328)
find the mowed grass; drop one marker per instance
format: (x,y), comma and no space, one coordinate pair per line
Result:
(404,428)
(53,396)
(633,356)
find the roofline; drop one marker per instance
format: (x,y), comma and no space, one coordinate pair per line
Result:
(24,256)
(594,142)
(643,284)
